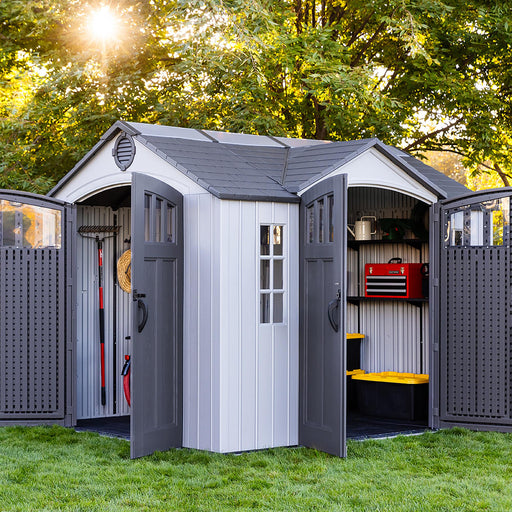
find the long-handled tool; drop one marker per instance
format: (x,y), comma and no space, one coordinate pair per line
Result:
(94,232)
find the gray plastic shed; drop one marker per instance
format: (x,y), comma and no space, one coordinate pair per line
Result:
(247,284)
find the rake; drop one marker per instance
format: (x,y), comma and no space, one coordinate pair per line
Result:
(94,232)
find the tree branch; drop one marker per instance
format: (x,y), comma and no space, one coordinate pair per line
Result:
(357,58)
(502,175)
(430,135)
(356,34)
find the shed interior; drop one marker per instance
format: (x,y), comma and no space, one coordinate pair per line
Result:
(107,208)
(395,329)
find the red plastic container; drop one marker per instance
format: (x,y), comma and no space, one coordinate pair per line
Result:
(393,280)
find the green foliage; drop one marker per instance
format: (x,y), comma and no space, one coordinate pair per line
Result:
(420,74)
(52,468)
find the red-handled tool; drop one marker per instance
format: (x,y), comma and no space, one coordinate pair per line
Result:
(126,378)
(93,232)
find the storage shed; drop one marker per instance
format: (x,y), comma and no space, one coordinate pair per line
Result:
(243,284)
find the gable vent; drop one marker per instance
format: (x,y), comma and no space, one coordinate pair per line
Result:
(124,151)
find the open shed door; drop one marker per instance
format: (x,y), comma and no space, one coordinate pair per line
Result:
(36,309)
(473,356)
(322,344)
(157,330)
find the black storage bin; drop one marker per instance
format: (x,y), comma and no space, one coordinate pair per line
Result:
(353,354)
(391,399)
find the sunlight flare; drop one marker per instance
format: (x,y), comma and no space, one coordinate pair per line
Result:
(103,24)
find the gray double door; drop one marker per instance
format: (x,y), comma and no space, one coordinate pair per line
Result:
(157,330)
(37,309)
(322,339)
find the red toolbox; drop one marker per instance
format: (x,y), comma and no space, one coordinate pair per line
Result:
(393,280)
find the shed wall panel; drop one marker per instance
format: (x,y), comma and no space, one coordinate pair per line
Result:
(201,374)
(88,347)
(258,389)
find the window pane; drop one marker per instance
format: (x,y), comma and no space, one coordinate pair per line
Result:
(278,274)
(278,240)
(278,308)
(310,222)
(456,226)
(321,221)
(331,218)
(170,224)
(500,220)
(147,227)
(24,225)
(265,308)
(265,240)
(265,274)
(158,221)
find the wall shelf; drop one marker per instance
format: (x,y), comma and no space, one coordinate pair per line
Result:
(412,242)
(358,299)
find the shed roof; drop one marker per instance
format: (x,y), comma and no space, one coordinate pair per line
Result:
(254,167)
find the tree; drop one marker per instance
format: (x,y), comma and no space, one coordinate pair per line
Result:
(419,74)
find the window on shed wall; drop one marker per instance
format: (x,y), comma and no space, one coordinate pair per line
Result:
(271,274)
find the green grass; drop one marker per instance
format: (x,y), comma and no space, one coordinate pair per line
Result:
(52,468)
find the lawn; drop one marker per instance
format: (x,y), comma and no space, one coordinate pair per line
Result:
(53,468)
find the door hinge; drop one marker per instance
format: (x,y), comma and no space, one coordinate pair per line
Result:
(436,217)
(436,411)
(435,281)
(436,347)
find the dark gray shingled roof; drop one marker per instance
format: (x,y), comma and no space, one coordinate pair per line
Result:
(253,167)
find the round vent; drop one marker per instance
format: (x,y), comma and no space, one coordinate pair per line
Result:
(124,151)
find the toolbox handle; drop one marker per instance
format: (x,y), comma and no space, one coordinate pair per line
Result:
(395,260)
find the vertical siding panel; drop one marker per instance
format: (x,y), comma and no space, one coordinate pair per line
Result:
(203,309)
(230,318)
(215,223)
(190,334)
(293,324)
(248,327)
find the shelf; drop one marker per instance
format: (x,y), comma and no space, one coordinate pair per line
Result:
(413,242)
(357,299)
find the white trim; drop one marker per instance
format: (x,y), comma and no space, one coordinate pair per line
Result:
(101,173)
(373,169)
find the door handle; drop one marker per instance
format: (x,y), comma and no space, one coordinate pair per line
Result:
(142,305)
(334,305)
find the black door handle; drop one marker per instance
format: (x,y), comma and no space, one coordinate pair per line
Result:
(334,305)
(142,305)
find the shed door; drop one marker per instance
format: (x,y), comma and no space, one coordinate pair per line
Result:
(475,311)
(157,292)
(36,313)
(322,422)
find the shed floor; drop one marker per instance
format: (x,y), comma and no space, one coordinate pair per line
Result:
(360,426)
(115,426)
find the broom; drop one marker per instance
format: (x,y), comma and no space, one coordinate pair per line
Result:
(94,232)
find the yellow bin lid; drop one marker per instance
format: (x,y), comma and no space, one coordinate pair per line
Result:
(394,377)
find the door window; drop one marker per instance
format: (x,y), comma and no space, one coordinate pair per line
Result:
(320,221)
(481,224)
(159,220)
(28,226)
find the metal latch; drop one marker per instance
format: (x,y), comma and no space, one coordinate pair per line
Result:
(137,296)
